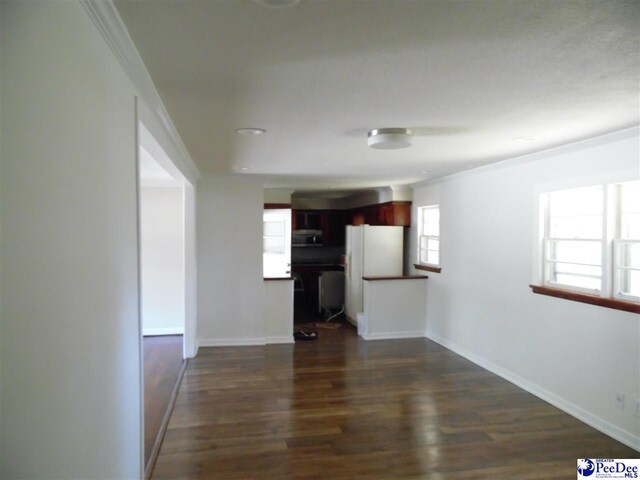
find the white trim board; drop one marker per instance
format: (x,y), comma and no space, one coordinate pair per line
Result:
(393,335)
(162,331)
(231,342)
(244,341)
(575,411)
(105,16)
(279,340)
(553,151)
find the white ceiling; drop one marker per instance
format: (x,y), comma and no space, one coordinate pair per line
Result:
(469,76)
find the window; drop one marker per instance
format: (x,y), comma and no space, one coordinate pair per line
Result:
(591,240)
(626,248)
(276,243)
(429,235)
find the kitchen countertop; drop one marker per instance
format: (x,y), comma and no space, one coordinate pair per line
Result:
(399,277)
(317,265)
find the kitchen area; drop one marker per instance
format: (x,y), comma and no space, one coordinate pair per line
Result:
(317,263)
(327,255)
(341,260)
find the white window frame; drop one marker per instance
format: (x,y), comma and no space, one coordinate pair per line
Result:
(618,269)
(610,246)
(421,212)
(617,243)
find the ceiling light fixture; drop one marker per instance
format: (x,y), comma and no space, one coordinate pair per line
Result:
(250,131)
(244,169)
(390,138)
(276,3)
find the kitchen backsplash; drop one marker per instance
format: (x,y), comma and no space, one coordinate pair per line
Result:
(316,255)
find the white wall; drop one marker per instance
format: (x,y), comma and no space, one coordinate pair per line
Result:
(278,311)
(70,345)
(300,202)
(395,308)
(229,246)
(191,281)
(162,260)
(574,355)
(1,161)
(277,195)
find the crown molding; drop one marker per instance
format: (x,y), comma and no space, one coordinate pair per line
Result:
(575,146)
(106,18)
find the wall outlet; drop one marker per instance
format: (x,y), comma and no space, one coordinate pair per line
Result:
(620,400)
(636,410)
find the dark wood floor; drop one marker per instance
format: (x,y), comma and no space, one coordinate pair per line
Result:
(162,364)
(343,408)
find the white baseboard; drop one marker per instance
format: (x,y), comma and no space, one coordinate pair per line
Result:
(566,406)
(162,331)
(279,340)
(230,342)
(393,335)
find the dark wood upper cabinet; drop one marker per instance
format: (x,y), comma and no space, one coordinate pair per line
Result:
(333,222)
(337,220)
(395,213)
(307,220)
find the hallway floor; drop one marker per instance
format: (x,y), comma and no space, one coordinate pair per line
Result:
(162,364)
(343,408)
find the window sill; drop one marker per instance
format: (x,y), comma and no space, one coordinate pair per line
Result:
(586,298)
(427,268)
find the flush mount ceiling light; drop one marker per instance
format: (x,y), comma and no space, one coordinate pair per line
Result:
(276,3)
(250,131)
(390,138)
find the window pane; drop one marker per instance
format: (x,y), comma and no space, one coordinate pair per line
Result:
(630,197)
(573,269)
(432,229)
(433,244)
(578,201)
(423,256)
(630,282)
(576,281)
(433,257)
(423,243)
(273,229)
(577,252)
(629,255)
(630,226)
(576,227)
(273,245)
(431,215)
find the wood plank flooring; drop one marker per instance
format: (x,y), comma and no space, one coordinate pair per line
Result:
(162,364)
(343,408)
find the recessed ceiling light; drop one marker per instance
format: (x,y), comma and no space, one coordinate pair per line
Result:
(244,169)
(250,131)
(276,3)
(390,138)
(524,139)
(424,172)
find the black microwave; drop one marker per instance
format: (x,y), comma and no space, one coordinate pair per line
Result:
(306,238)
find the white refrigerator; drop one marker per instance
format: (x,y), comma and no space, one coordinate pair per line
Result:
(369,251)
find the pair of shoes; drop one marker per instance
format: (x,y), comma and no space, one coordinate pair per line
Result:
(301,335)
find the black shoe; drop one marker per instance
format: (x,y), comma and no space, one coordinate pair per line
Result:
(300,335)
